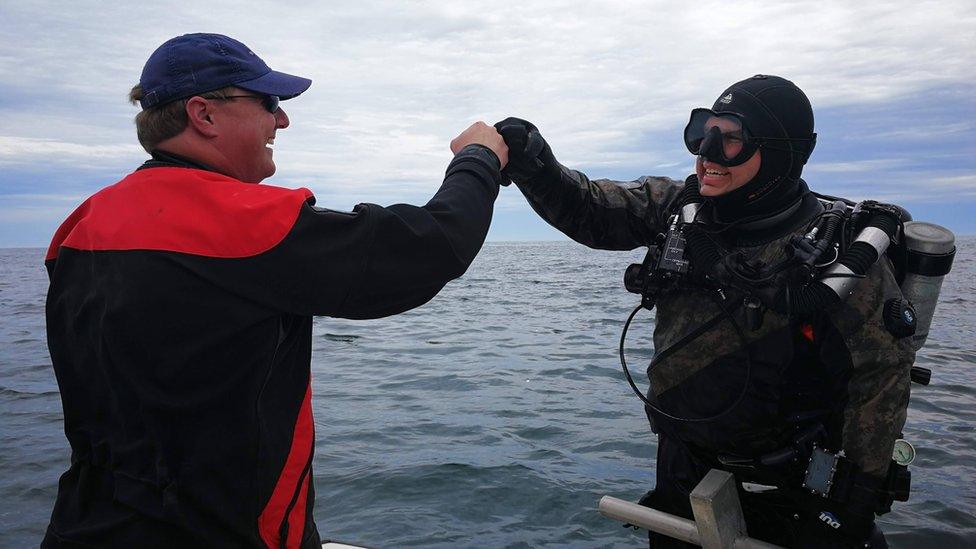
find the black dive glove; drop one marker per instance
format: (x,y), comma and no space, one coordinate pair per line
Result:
(528,153)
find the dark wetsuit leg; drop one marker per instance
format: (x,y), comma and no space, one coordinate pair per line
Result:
(678,472)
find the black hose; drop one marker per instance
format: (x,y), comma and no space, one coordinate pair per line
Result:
(859,257)
(810,298)
(623,361)
(690,194)
(703,252)
(701,249)
(825,237)
(745,347)
(886,222)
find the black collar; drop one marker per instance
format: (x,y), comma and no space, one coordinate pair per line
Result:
(760,230)
(163,159)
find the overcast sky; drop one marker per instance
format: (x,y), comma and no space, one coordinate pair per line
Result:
(610,85)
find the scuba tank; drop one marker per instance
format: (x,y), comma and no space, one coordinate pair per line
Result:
(929,251)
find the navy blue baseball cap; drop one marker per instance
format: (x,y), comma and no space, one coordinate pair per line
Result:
(197,63)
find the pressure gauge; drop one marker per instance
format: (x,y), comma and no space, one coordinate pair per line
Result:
(903,452)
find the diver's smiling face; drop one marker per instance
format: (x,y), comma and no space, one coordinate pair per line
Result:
(714,179)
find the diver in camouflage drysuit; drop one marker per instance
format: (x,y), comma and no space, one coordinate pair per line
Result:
(837,378)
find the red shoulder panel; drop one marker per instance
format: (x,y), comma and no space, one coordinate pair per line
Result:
(182,210)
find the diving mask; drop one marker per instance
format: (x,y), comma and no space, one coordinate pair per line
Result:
(724,138)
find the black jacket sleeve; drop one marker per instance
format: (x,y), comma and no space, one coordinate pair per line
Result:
(375,261)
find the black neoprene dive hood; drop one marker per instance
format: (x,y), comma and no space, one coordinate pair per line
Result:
(774,108)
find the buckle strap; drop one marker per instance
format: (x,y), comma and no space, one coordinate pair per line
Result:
(802,445)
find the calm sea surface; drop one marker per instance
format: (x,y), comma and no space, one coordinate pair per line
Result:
(495,415)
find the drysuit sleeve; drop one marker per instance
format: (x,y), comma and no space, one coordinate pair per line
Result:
(876,384)
(603,214)
(870,371)
(878,388)
(377,261)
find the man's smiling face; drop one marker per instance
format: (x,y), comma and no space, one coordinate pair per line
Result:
(247,136)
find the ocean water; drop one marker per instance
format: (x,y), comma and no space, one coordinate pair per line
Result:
(496,415)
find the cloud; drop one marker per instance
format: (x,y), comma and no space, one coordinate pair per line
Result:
(28,150)
(609,83)
(856,166)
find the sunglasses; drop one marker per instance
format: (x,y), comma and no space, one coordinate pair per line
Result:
(270,102)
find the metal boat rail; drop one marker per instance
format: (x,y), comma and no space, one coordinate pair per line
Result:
(718,523)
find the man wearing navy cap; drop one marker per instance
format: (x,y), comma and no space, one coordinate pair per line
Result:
(181,300)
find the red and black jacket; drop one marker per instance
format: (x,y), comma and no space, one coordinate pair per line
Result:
(179,320)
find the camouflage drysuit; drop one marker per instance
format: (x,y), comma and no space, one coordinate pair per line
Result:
(839,370)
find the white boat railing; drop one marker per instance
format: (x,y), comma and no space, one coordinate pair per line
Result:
(718,523)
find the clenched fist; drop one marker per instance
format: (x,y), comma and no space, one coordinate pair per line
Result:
(480,133)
